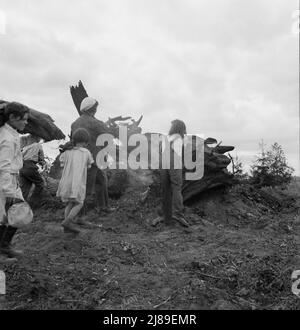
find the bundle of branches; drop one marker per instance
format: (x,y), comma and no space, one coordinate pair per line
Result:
(78,93)
(39,124)
(132,126)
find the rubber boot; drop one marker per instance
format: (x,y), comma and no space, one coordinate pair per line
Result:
(6,243)
(6,255)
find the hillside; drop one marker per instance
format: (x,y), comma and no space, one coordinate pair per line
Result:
(239,253)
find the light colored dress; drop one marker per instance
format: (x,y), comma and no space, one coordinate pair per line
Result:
(72,185)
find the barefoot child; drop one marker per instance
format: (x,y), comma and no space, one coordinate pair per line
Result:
(72,186)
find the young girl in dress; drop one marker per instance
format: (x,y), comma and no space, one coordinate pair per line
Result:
(72,186)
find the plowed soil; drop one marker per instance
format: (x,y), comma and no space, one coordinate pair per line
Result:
(239,253)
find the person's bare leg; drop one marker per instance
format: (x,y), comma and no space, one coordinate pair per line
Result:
(68,209)
(74,211)
(67,223)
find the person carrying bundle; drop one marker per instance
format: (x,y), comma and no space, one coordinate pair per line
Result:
(15,120)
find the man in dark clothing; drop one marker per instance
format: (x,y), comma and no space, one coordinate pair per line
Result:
(96,179)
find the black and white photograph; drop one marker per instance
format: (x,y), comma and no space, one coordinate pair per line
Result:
(149,158)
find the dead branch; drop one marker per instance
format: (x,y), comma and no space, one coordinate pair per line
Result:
(164,302)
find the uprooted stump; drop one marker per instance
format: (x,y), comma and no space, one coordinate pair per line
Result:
(117,182)
(215,162)
(215,172)
(209,181)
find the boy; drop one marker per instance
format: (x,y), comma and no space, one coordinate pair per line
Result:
(33,154)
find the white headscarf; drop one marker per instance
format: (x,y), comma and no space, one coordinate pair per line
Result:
(87,104)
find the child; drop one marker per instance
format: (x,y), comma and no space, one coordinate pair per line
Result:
(33,154)
(72,186)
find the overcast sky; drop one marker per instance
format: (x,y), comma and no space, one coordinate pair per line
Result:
(228,68)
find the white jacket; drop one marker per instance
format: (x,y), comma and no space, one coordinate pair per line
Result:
(10,160)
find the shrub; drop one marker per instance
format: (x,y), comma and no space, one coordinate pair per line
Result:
(238,168)
(271,168)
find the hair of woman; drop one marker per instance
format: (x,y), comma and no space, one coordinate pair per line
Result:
(14,108)
(178,127)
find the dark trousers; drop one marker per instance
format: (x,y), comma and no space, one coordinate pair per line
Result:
(97,186)
(29,174)
(172,200)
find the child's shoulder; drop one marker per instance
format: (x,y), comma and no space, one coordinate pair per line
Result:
(68,153)
(84,151)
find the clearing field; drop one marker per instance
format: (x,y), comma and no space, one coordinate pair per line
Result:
(239,253)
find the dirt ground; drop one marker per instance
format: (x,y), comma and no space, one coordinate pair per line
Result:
(239,253)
